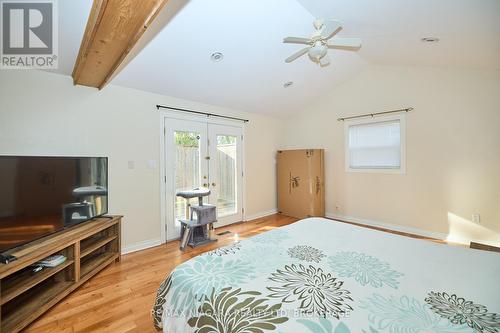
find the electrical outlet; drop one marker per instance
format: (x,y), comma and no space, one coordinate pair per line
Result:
(131,165)
(476,218)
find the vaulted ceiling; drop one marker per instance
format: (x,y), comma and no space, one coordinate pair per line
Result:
(176,61)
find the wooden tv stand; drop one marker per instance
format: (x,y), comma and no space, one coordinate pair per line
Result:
(24,295)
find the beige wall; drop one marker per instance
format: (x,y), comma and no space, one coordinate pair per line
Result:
(44,114)
(453,145)
(453,150)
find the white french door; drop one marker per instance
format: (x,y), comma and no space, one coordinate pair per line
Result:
(202,154)
(225,172)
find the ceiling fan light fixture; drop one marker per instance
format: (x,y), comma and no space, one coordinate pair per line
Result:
(317,52)
(317,46)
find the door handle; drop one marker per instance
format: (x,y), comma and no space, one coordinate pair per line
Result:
(293,183)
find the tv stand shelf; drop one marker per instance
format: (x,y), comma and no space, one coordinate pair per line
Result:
(16,285)
(93,244)
(24,295)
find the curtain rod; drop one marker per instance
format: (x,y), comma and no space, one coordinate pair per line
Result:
(158,107)
(375,114)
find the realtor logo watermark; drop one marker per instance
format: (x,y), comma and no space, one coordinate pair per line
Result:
(29,34)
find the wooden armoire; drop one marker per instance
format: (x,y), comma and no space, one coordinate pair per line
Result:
(301,185)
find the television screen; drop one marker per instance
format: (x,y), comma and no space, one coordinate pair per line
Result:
(42,195)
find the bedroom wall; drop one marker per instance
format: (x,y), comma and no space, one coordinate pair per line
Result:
(453,151)
(44,114)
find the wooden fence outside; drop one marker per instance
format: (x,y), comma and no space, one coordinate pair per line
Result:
(188,162)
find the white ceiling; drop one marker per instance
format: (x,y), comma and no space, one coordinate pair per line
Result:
(73,16)
(469,30)
(249,33)
(251,76)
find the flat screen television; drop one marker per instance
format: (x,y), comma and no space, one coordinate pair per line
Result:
(43,195)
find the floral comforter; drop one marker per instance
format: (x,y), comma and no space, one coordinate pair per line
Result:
(322,276)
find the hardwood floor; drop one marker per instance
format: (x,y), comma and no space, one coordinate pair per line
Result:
(119,299)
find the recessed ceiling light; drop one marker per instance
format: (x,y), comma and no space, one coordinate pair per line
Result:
(430,39)
(288,84)
(217,56)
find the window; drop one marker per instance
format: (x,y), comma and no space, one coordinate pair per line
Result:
(376,145)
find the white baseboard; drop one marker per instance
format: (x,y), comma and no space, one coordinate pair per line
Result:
(155,242)
(141,246)
(260,215)
(394,227)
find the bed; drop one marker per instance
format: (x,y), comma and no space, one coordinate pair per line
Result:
(322,276)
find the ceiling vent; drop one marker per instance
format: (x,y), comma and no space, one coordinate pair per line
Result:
(217,56)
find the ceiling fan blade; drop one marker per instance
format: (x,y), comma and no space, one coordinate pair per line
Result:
(297,54)
(348,43)
(296,40)
(330,29)
(325,61)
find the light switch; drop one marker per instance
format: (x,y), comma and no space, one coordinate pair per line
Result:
(152,164)
(131,165)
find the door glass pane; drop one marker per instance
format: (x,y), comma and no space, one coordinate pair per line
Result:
(187,167)
(226,175)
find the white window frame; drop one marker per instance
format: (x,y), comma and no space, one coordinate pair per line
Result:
(374,120)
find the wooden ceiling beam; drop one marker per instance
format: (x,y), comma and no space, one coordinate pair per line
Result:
(113,28)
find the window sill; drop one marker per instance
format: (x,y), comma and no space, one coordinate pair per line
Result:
(400,171)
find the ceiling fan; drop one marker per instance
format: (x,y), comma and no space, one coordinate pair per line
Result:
(318,44)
